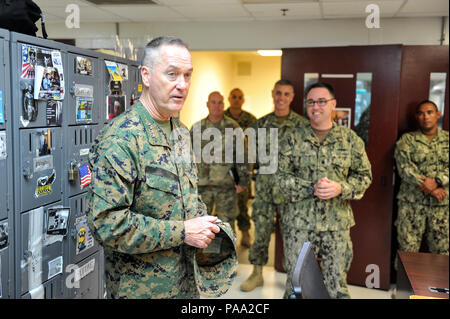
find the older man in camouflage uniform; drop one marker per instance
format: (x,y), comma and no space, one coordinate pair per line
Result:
(422,163)
(264,206)
(221,177)
(245,120)
(143,205)
(322,167)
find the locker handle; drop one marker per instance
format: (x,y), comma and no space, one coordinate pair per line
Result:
(26,171)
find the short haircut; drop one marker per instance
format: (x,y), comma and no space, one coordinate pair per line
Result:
(151,50)
(214,93)
(426,102)
(320,85)
(236,89)
(284,82)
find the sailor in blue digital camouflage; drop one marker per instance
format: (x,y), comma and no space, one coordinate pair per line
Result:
(143,206)
(264,206)
(422,163)
(322,167)
(245,120)
(223,171)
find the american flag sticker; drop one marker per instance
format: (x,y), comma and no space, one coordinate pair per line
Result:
(29,54)
(85,175)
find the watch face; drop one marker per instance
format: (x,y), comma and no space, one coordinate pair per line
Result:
(438,181)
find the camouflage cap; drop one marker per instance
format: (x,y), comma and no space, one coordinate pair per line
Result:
(215,266)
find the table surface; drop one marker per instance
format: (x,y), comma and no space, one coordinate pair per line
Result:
(425,270)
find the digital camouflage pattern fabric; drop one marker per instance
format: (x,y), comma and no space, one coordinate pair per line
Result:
(216,184)
(265,205)
(419,212)
(341,157)
(245,120)
(137,202)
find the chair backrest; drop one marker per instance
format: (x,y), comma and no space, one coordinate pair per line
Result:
(307,277)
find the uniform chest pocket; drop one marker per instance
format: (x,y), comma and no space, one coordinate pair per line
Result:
(161,179)
(160,192)
(342,159)
(443,156)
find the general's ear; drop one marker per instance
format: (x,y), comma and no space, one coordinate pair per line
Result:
(145,75)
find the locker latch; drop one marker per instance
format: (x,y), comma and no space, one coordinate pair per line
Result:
(27,171)
(73,171)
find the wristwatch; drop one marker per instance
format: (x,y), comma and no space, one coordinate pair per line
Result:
(310,189)
(438,181)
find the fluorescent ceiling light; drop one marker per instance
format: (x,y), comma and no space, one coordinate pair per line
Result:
(270,52)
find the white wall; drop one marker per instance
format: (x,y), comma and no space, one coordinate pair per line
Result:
(259,34)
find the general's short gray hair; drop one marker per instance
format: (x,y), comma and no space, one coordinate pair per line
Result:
(151,50)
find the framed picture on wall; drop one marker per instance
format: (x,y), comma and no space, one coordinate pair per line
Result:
(342,116)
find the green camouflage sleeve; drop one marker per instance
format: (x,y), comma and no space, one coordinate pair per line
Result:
(243,168)
(359,176)
(288,186)
(110,198)
(406,168)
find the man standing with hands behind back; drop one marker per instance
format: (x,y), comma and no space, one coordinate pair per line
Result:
(245,120)
(422,163)
(322,167)
(143,205)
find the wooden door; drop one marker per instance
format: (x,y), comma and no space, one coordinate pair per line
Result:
(371,235)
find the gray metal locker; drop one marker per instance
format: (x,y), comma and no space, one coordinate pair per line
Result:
(81,242)
(6,175)
(40,255)
(78,141)
(83,83)
(38,135)
(86,279)
(114,89)
(39,167)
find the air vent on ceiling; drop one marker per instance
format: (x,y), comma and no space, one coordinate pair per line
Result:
(100,2)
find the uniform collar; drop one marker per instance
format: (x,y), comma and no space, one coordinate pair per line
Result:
(420,137)
(331,138)
(155,134)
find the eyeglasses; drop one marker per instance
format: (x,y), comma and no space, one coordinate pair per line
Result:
(320,102)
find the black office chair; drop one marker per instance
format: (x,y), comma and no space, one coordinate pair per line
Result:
(307,279)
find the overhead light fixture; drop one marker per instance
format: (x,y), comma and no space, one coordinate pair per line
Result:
(270,52)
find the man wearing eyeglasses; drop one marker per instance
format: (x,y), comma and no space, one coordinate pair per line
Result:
(322,166)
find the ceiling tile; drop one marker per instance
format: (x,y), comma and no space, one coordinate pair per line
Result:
(354,8)
(424,8)
(171,3)
(211,11)
(299,10)
(140,13)
(60,3)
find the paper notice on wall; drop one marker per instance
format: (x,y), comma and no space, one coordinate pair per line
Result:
(55,267)
(2,117)
(113,70)
(33,260)
(49,76)
(3,150)
(85,240)
(38,292)
(123,70)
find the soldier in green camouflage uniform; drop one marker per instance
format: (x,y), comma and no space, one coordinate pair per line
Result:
(245,120)
(322,167)
(143,206)
(264,206)
(422,163)
(216,184)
